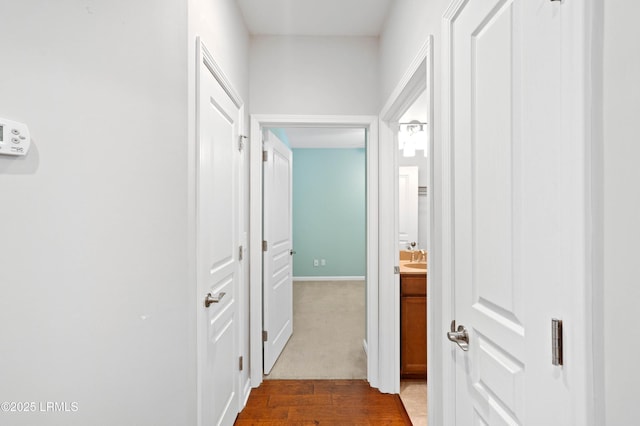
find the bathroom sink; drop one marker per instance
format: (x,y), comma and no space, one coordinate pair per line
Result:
(417,265)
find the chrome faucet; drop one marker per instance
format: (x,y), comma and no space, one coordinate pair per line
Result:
(421,258)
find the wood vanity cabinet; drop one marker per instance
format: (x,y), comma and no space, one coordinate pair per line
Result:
(413,326)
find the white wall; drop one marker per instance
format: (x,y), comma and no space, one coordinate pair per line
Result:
(95,306)
(314,75)
(221,26)
(621,211)
(409,24)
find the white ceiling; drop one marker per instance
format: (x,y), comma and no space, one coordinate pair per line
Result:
(323,137)
(315,17)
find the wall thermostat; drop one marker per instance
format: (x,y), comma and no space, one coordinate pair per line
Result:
(14,137)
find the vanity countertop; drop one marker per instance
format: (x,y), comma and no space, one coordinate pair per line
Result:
(408,270)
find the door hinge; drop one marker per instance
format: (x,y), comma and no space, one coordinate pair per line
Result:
(241,140)
(556,341)
(241,363)
(265,336)
(265,155)
(396,270)
(240,253)
(265,246)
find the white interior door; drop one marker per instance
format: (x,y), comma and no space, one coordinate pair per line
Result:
(508,221)
(217,257)
(277,234)
(408,206)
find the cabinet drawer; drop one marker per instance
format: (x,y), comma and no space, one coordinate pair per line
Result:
(413,285)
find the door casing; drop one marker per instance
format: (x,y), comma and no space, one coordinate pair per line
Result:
(417,79)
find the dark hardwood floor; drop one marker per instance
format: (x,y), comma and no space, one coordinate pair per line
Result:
(321,402)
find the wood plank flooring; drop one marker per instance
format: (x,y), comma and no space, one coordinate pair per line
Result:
(321,402)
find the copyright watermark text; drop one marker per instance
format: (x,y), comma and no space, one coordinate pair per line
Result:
(38,407)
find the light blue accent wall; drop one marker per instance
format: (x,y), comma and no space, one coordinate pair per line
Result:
(329,212)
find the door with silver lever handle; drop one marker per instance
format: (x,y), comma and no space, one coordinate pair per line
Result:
(459,336)
(213,299)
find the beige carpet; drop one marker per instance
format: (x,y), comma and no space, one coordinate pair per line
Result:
(328,331)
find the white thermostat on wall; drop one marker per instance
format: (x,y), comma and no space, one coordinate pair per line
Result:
(14,137)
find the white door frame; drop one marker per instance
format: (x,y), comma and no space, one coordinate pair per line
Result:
(580,108)
(417,79)
(258,122)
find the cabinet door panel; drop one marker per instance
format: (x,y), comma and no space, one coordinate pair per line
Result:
(413,350)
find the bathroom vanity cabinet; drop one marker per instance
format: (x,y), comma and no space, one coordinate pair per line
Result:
(413,326)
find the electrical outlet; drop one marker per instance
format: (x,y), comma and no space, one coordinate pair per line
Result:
(323,262)
(315,262)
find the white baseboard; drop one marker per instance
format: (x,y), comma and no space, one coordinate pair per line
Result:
(328,278)
(246,392)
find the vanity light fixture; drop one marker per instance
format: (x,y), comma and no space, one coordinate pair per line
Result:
(412,136)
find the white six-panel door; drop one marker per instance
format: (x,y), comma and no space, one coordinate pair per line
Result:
(278,264)
(508,220)
(217,250)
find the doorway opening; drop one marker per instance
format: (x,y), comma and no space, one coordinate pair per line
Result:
(414,309)
(329,254)
(413,235)
(367,126)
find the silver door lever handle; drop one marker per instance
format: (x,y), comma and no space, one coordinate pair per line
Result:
(459,336)
(213,299)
